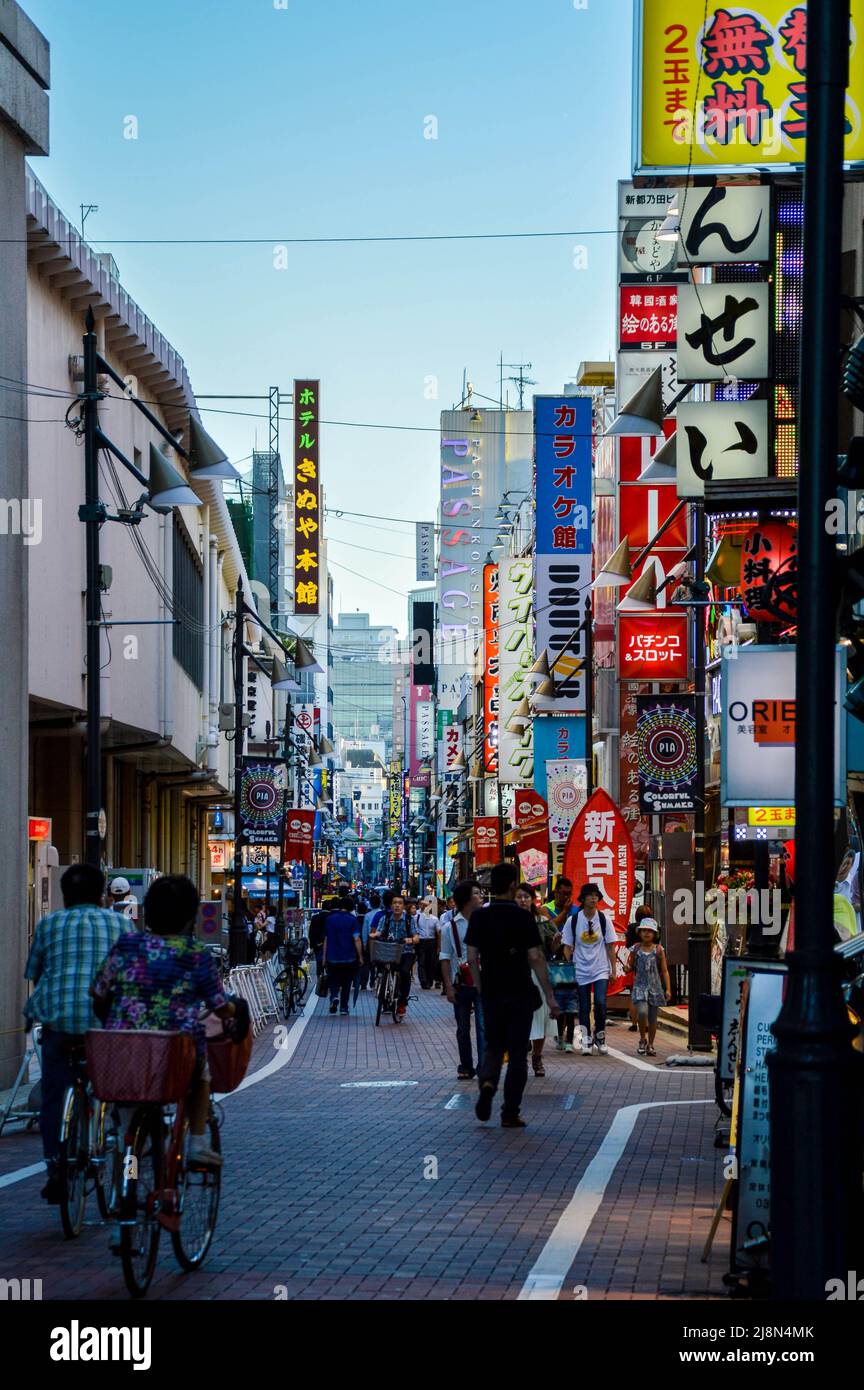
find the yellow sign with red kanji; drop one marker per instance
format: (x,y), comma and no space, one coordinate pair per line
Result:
(770,815)
(731,93)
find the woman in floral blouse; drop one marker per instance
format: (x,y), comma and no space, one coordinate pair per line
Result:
(163,978)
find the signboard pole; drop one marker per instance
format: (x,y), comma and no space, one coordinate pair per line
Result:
(237,934)
(699,936)
(815,1077)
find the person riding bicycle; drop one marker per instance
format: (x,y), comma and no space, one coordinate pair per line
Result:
(159,978)
(68,948)
(396,925)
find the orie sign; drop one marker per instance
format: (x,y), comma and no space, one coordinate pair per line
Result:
(723,87)
(757,736)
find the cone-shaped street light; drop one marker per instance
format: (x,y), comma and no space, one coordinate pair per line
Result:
(167,487)
(616,569)
(206,460)
(643,413)
(643,595)
(662,467)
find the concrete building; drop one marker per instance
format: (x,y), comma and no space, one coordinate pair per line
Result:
(362,678)
(24,79)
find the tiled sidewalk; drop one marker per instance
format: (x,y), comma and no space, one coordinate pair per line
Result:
(327,1193)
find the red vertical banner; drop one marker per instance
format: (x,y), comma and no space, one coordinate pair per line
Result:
(599,850)
(487,842)
(299,830)
(307,497)
(490,668)
(532,820)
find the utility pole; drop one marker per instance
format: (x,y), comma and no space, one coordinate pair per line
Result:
(91,515)
(237,935)
(699,934)
(816,1084)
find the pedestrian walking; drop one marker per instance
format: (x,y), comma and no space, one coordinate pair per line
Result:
(589,940)
(318,931)
(550,937)
(68,948)
(426,927)
(343,953)
(396,925)
(459,987)
(651,984)
(631,939)
(559,904)
(504,946)
(122,899)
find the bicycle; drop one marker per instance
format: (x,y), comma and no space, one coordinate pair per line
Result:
(160,1187)
(87,1152)
(293,979)
(387,956)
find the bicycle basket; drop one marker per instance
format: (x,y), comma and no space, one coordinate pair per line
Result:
(386,952)
(228,1062)
(145,1067)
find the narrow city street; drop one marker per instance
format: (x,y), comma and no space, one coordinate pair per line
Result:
(324,1193)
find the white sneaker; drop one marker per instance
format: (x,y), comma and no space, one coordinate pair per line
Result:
(600,1044)
(585,1042)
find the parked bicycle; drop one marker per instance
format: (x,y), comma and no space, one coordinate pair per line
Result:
(293,979)
(88,1153)
(387,956)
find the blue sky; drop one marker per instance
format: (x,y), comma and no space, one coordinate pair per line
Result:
(308,121)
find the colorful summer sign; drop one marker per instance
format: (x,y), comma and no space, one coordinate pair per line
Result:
(731,93)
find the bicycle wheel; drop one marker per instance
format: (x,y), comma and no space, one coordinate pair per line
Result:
(382,996)
(73,1162)
(106,1160)
(283,983)
(394,1000)
(142,1182)
(723,1094)
(199,1190)
(301,983)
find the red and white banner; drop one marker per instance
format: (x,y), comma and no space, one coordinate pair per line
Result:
(532,821)
(599,850)
(487,843)
(299,830)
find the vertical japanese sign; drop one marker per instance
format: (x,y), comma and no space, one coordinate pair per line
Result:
(491,659)
(599,850)
(395,799)
(761,1001)
(262,801)
(562,454)
(307,498)
(459,606)
(628,768)
(731,93)
(516,657)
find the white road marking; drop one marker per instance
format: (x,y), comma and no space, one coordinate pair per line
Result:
(546,1278)
(282,1056)
(637,1062)
(454,1101)
(21,1173)
(357,1085)
(569,1102)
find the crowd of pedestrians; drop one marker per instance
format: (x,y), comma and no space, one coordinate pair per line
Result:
(516,971)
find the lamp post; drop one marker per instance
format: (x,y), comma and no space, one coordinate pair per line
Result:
(815,1076)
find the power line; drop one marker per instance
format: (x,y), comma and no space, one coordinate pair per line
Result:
(319,240)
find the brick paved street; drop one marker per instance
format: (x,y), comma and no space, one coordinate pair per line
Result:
(324,1190)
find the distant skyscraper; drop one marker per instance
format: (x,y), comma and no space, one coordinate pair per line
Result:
(363,678)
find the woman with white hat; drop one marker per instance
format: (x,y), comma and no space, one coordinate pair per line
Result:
(648,963)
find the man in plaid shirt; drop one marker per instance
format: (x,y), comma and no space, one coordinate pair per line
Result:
(68,949)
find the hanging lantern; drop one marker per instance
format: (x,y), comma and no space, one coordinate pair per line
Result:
(769,572)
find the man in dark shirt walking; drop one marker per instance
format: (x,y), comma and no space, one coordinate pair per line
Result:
(504,946)
(343,953)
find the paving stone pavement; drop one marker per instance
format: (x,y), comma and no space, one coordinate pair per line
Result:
(324,1194)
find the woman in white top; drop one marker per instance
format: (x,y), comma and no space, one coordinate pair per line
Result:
(589,939)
